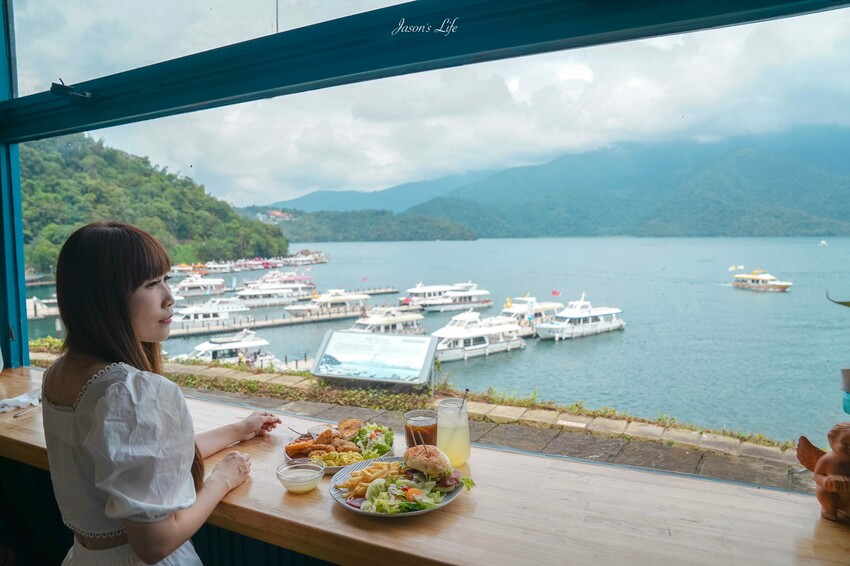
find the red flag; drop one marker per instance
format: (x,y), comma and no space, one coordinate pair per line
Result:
(556,292)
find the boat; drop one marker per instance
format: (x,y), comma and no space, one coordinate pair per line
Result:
(464,296)
(580,318)
(215,311)
(421,293)
(527,312)
(243,347)
(282,277)
(196,286)
(219,266)
(305,257)
(334,300)
(274,294)
(467,335)
(760,280)
(390,320)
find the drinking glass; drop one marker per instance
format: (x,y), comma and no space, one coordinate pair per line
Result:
(420,427)
(453,430)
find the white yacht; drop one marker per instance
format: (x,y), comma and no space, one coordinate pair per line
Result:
(468,336)
(527,312)
(760,280)
(197,286)
(464,296)
(219,266)
(580,318)
(421,293)
(273,294)
(334,300)
(215,311)
(282,277)
(390,320)
(243,347)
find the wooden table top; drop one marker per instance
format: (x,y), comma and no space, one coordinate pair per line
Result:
(526,508)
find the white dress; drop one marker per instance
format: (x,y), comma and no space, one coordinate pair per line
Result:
(124,450)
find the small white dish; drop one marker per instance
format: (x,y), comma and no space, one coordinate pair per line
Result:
(300,475)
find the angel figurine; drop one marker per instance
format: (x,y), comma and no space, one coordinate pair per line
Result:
(831,470)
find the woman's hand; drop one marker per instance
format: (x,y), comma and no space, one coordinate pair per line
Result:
(257,424)
(233,469)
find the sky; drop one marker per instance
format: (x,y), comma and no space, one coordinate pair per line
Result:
(705,86)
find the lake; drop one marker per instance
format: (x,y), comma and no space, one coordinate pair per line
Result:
(694,348)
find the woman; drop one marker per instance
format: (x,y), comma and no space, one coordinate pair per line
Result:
(127,470)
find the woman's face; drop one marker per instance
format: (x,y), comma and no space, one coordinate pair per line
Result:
(151,309)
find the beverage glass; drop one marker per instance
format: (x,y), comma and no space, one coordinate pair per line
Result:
(420,427)
(453,430)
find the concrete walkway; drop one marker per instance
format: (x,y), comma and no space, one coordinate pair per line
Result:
(559,433)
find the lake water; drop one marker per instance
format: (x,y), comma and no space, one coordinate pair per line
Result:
(694,348)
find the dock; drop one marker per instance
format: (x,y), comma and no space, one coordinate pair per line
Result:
(38,309)
(236,324)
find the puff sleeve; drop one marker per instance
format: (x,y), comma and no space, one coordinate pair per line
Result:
(142,445)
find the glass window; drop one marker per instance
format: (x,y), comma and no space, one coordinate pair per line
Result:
(78,41)
(637,172)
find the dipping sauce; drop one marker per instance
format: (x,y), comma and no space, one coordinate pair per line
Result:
(300,475)
(420,430)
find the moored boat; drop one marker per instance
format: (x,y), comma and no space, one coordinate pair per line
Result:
(334,300)
(196,286)
(243,347)
(580,318)
(464,296)
(213,312)
(390,320)
(527,312)
(467,335)
(421,293)
(760,280)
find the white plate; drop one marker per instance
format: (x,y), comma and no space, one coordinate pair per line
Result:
(340,495)
(328,469)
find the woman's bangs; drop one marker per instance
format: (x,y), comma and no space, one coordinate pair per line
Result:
(150,261)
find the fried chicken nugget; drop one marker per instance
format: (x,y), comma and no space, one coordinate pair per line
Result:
(326,436)
(325,447)
(299,446)
(347,446)
(349,428)
(337,442)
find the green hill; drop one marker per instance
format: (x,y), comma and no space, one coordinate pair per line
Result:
(72,180)
(752,186)
(370,226)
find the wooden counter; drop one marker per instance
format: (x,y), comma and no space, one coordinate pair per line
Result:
(526,509)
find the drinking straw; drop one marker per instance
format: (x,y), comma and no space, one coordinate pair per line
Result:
(421,440)
(463,400)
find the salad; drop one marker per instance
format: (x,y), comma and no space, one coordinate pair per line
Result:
(418,482)
(374,440)
(397,494)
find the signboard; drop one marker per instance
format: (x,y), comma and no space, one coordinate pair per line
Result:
(390,358)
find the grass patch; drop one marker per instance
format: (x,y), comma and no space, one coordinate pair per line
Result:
(387,397)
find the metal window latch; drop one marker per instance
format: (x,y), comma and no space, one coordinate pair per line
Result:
(69,91)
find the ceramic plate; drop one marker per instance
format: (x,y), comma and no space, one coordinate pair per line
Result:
(328,469)
(340,495)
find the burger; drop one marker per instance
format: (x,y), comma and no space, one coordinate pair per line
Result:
(428,463)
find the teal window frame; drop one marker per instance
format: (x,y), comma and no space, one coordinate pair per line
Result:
(342,51)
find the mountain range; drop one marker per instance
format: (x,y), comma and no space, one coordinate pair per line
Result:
(791,183)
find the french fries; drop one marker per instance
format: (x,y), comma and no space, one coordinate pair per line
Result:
(359,481)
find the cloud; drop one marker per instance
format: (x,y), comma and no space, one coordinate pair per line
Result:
(706,85)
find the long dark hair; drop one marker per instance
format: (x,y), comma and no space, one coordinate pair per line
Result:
(100,266)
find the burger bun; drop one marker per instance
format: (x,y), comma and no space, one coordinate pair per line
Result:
(429,460)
